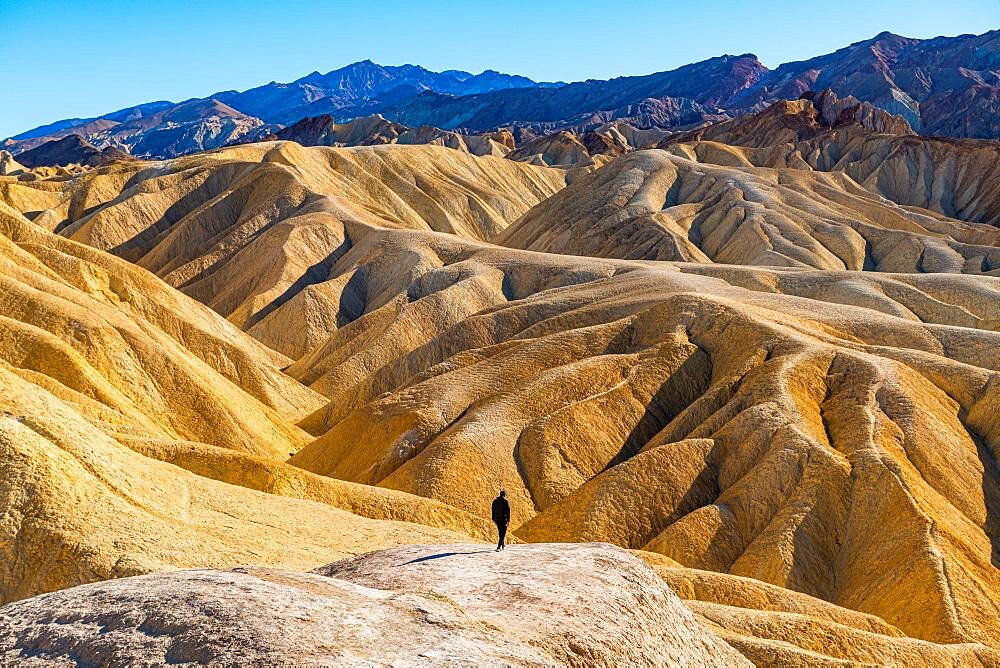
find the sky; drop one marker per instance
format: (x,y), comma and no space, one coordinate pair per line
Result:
(80,58)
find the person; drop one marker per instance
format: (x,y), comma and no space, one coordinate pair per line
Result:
(501,517)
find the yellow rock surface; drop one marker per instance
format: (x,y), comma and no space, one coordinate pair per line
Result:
(245,229)
(811,449)
(771,624)
(98,354)
(732,428)
(237,468)
(79,507)
(698,206)
(155,362)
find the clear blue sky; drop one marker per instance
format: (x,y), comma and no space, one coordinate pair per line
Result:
(79,58)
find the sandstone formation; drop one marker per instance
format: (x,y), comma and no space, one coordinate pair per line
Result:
(820,182)
(8,165)
(99,362)
(566,149)
(709,204)
(780,437)
(431,605)
(775,626)
(247,229)
(793,121)
(793,420)
(956,178)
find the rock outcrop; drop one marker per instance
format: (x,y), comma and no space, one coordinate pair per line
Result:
(71,150)
(793,121)
(375,130)
(8,165)
(433,605)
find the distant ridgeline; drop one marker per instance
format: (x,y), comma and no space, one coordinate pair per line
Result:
(946,86)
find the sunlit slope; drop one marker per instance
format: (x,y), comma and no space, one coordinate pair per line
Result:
(134,354)
(79,507)
(845,450)
(828,431)
(771,625)
(111,385)
(244,229)
(957,178)
(711,204)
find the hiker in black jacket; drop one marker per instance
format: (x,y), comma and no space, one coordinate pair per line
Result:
(501,517)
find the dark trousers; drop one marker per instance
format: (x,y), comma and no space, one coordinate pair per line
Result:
(502,531)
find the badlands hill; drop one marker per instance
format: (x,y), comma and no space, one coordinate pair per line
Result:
(113,381)
(276,355)
(821,183)
(248,229)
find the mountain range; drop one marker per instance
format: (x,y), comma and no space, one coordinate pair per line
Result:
(945,86)
(167,129)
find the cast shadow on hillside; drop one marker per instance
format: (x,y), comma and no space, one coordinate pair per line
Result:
(991,498)
(681,389)
(133,248)
(442,555)
(317,273)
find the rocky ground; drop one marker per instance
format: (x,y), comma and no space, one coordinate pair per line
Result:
(460,604)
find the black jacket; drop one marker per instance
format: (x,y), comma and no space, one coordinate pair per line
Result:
(501,510)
